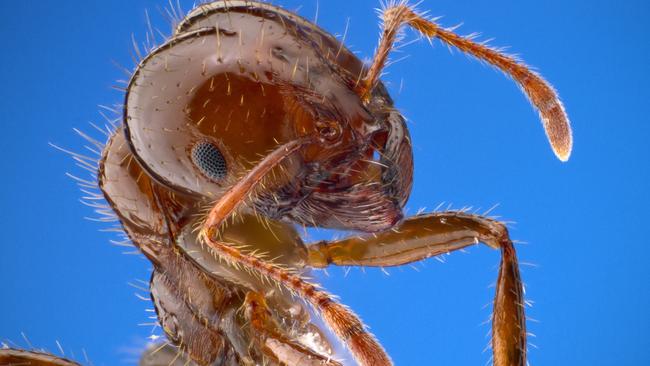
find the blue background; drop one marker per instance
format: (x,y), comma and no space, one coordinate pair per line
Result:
(477,142)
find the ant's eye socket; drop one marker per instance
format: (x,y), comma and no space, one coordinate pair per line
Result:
(210,161)
(329,131)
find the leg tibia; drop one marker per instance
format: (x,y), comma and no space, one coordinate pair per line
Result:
(509,320)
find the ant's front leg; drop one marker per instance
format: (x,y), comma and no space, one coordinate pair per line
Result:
(342,321)
(424,236)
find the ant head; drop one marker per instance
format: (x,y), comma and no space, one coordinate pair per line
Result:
(233,83)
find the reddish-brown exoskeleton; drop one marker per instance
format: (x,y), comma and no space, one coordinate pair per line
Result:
(250,120)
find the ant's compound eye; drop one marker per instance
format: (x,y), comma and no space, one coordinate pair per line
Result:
(210,161)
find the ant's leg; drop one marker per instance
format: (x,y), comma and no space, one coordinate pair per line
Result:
(540,93)
(342,321)
(424,236)
(273,342)
(9,356)
(415,238)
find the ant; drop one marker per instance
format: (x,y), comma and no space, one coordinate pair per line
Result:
(249,121)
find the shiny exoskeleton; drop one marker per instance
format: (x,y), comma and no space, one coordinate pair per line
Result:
(250,120)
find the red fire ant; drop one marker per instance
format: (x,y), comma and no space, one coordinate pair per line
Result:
(249,120)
